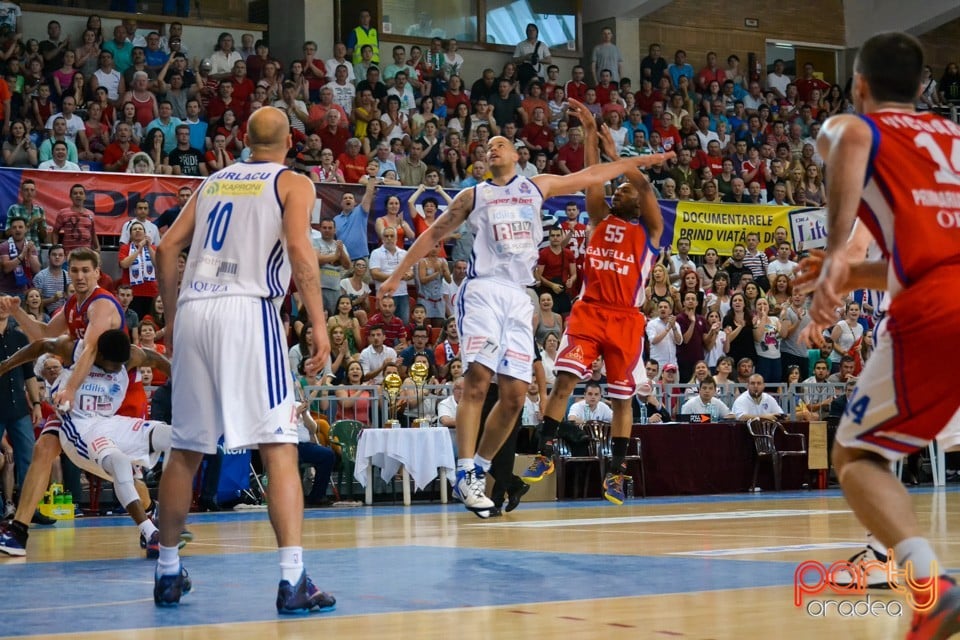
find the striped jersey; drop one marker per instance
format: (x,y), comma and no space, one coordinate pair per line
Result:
(238,247)
(911,200)
(618,261)
(507,231)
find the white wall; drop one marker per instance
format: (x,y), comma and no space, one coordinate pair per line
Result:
(863,18)
(200,40)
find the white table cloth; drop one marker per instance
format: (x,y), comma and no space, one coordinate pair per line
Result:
(423,454)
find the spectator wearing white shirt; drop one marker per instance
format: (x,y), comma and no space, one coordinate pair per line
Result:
(783,264)
(777,81)
(705,402)
(591,407)
(403,90)
(75,124)
(447,408)
(681,260)
(142,213)
(340,58)
(376,356)
(344,93)
(524,167)
(384,260)
(59,160)
(754,403)
(664,335)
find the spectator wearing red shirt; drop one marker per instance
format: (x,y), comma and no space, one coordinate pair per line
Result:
(556,271)
(537,134)
(219,156)
(117,154)
(352,163)
(647,96)
(138,269)
(225,100)
(604,87)
(711,73)
(808,83)
(314,70)
(333,136)
(576,88)
(394,330)
(449,346)
(242,85)
(714,158)
(74,227)
(570,156)
(669,134)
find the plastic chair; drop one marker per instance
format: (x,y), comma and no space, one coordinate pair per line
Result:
(604,431)
(763,432)
(345,434)
(565,457)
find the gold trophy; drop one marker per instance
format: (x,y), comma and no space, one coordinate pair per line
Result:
(418,375)
(391,386)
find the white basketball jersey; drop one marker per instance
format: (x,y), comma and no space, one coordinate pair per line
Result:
(100,396)
(506,226)
(238,247)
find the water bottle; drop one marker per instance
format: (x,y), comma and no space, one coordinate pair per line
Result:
(643,413)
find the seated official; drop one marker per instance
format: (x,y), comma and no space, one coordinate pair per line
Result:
(591,407)
(447,408)
(705,402)
(311,452)
(754,403)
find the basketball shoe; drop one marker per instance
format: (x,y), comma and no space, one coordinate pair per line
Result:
(877,578)
(943,621)
(469,489)
(13,539)
(167,590)
(613,488)
(540,468)
(303,597)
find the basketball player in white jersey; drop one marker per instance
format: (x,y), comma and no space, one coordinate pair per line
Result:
(868,271)
(494,312)
(92,435)
(248,228)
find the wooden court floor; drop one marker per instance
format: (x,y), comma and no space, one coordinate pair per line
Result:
(719,567)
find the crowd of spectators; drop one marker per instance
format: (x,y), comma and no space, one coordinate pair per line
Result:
(421,117)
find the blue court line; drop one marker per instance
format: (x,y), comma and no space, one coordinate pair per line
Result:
(419,508)
(241,587)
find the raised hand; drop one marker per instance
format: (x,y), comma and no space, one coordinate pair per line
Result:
(808,271)
(582,114)
(607,145)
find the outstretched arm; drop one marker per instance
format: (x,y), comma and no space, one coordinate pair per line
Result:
(551,185)
(597,207)
(140,357)
(62,347)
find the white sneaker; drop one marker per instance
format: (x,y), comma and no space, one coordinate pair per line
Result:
(469,489)
(876,577)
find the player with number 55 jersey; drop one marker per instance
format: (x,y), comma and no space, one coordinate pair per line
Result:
(607,320)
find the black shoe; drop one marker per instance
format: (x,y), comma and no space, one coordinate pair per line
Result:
(495,512)
(39,518)
(208,505)
(319,504)
(513,497)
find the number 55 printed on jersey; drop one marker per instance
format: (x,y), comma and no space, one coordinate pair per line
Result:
(217,223)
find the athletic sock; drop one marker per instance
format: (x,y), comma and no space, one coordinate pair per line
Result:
(923,566)
(465,464)
(147,528)
(619,453)
(548,435)
(291,563)
(168,563)
(482,462)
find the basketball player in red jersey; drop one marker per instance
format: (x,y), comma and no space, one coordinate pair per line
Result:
(899,172)
(87,314)
(607,321)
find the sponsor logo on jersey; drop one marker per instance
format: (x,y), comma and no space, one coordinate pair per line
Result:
(524,188)
(222,187)
(576,354)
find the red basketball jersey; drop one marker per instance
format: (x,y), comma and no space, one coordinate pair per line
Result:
(911,199)
(76,315)
(618,260)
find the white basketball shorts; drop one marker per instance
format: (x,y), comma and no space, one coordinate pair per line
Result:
(495,322)
(231,376)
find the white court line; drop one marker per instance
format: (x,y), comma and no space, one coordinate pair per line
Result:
(681,517)
(744,551)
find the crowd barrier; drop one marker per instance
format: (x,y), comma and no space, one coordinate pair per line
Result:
(113,198)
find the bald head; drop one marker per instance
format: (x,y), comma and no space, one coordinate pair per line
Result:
(268,127)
